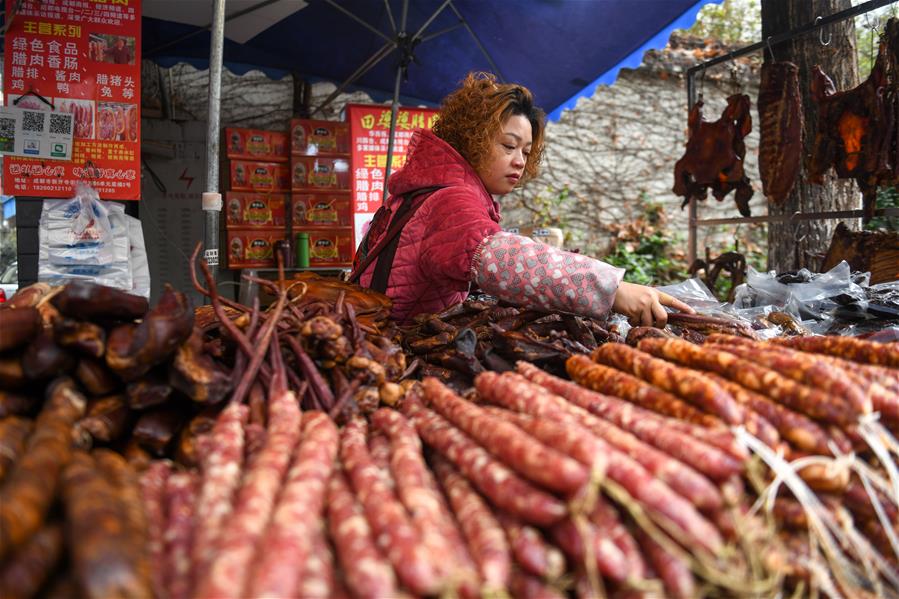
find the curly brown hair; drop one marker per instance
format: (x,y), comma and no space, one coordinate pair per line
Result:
(472,115)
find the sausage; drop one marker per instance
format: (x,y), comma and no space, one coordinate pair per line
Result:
(802,398)
(368,572)
(318,579)
(530,458)
(417,490)
(14,433)
(483,532)
(153,491)
(22,576)
(44,359)
(607,380)
(608,523)
(385,514)
(558,423)
(221,467)
(494,479)
(582,540)
(531,552)
(30,487)
(647,426)
(181,494)
(126,485)
(849,348)
(147,392)
(798,429)
(686,384)
(228,574)
(803,368)
(105,554)
(525,586)
(288,537)
(674,572)
(379,446)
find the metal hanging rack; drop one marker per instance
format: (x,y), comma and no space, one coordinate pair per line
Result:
(766,44)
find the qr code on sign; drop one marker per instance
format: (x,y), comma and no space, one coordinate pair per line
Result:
(32,121)
(61,124)
(7,127)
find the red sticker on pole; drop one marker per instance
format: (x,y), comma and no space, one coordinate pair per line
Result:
(81,58)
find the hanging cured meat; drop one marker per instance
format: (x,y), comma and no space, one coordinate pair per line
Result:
(780,129)
(714,155)
(857,128)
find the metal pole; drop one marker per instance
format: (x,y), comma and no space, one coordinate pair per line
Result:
(212,203)
(395,107)
(693,214)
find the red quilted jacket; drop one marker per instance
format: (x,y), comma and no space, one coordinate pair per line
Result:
(432,266)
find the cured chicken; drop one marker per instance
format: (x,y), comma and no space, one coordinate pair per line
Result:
(780,129)
(714,155)
(857,128)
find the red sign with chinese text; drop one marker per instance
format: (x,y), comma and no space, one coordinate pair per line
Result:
(369,137)
(84,57)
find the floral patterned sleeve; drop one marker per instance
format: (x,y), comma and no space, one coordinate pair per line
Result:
(525,272)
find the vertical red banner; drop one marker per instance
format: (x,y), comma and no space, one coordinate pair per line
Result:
(83,57)
(369,137)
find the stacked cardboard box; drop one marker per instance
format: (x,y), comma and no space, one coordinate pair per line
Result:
(256,178)
(320,185)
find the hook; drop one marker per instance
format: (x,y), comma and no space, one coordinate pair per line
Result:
(870,26)
(31,92)
(797,227)
(821,34)
(770,49)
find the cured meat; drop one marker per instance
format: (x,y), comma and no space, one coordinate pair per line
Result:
(493,478)
(14,433)
(573,430)
(395,532)
(30,487)
(22,576)
(482,531)
(237,546)
(532,553)
(857,128)
(614,382)
(714,155)
(368,573)
(153,492)
(221,467)
(417,489)
(181,494)
(810,401)
(538,462)
(686,384)
(608,522)
(848,348)
(288,538)
(780,129)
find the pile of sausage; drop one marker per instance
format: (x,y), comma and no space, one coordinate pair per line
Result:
(478,335)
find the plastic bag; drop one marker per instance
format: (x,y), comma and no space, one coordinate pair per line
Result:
(77,231)
(84,238)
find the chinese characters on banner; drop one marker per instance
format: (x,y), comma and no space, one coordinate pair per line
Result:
(83,56)
(369,133)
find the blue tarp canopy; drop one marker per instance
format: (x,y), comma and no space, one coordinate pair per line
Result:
(560,49)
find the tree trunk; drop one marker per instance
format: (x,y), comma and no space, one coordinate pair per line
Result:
(800,244)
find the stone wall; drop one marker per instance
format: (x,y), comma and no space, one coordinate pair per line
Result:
(615,151)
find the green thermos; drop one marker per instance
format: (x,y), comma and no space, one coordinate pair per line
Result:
(302,249)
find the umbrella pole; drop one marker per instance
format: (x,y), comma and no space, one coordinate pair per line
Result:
(395,106)
(212,199)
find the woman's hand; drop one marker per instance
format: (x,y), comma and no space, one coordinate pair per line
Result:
(643,305)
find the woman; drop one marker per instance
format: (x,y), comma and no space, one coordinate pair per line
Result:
(438,233)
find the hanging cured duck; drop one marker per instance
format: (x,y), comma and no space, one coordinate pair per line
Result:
(714,156)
